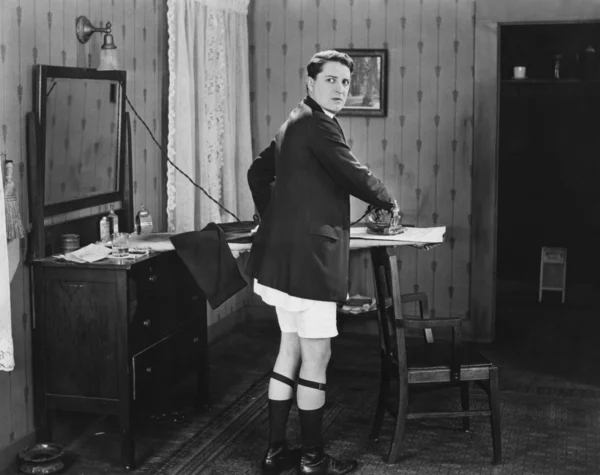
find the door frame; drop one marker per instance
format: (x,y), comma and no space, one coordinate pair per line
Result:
(490,15)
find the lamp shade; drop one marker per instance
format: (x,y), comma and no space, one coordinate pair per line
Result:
(109,58)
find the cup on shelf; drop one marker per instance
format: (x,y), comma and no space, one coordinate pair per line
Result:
(120,245)
(519,72)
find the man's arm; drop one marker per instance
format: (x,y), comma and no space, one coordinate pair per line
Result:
(261,175)
(335,155)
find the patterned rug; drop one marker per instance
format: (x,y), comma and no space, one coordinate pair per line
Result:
(541,434)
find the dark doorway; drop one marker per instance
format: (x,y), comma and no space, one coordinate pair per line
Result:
(549,156)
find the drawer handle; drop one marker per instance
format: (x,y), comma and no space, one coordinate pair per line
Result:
(195,298)
(153,278)
(149,369)
(196,339)
(147,323)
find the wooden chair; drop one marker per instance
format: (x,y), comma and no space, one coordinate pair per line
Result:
(427,365)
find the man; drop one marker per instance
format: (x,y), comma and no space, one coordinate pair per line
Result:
(301,186)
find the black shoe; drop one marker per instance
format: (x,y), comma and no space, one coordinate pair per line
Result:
(279,459)
(316,461)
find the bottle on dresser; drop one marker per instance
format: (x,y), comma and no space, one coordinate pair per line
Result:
(143,221)
(113,220)
(104,229)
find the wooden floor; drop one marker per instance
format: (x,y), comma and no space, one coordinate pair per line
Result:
(543,345)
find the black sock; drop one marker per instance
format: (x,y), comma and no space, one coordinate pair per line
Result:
(311,423)
(278,417)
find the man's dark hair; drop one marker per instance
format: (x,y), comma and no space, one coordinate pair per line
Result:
(316,63)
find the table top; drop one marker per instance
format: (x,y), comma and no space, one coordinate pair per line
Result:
(359,239)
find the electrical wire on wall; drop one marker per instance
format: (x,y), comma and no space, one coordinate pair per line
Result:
(175,166)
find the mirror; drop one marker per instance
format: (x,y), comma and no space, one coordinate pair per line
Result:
(80,112)
(79,155)
(81,140)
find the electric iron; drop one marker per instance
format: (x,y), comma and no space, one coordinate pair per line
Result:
(383,222)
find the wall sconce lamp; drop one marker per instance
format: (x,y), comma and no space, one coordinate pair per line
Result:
(109,59)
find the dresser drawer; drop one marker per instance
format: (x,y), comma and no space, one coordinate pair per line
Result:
(152,318)
(152,276)
(152,297)
(159,366)
(191,302)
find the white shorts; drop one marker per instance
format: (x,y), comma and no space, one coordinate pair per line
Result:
(308,318)
(319,320)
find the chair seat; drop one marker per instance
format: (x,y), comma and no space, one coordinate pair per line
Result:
(431,363)
(439,354)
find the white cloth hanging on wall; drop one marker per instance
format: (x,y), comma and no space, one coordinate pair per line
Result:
(7,361)
(209,112)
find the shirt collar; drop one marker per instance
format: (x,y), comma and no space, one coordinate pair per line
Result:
(315,105)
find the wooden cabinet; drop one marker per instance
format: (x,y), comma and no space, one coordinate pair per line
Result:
(110,335)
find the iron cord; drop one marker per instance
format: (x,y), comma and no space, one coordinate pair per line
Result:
(175,166)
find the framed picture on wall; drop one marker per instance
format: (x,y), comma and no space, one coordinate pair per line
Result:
(368,86)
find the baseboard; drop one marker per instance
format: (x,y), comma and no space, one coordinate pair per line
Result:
(8,455)
(225,325)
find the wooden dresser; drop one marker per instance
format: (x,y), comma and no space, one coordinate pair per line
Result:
(112,335)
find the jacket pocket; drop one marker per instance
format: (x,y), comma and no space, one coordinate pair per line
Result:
(324,230)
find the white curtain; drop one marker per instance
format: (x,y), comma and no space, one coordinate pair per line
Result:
(209,112)
(7,362)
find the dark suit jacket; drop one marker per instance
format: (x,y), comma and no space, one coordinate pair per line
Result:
(302,244)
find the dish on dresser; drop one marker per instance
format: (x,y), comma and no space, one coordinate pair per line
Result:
(132,254)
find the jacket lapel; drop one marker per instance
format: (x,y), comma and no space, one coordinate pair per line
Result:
(340,127)
(310,102)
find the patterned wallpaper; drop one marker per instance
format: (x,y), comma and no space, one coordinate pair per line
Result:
(422,149)
(43,32)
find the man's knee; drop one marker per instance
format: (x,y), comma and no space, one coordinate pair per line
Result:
(315,352)
(290,345)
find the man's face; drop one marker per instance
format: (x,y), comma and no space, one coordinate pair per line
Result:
(330,88)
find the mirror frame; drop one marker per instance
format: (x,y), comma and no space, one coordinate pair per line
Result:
(81,216)
(40,81)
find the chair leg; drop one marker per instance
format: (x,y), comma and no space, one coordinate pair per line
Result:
(495,417)
(464,399)
(384,391)
(394,453)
